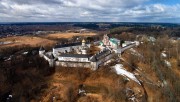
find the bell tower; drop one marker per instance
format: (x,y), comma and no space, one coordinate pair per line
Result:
(83,42)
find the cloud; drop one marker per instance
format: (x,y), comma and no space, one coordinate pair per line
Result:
(155,12)
(87,10)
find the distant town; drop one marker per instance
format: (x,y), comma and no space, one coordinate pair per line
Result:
(20,29)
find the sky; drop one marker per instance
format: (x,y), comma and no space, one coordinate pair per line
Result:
(165,11)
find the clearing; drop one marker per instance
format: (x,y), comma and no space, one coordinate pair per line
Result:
(68,35)
(26,40)
(45,40)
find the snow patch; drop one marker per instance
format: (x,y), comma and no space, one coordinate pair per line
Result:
(152,39)
(121,71)
(163,55)
(167,63)
(25,53)
(134,52)
(137,43)
(6,42)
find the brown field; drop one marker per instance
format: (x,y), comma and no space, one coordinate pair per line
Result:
(68,35)
(26,40)
(46,40)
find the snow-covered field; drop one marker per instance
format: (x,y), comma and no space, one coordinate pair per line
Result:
(121,71)
(6,42)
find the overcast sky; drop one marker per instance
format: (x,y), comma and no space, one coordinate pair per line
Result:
(90,11)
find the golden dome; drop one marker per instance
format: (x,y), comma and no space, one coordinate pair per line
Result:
(83,41)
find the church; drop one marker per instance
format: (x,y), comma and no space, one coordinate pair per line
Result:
(112,43)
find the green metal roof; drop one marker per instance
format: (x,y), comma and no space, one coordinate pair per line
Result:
(101,43)
(113,41)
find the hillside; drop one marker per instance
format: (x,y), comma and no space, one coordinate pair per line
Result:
(154,65)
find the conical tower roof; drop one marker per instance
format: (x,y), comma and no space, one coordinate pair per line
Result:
(51,56)
(83,41)
(41,48)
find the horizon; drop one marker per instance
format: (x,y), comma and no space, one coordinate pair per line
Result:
(94,22)
(149,11)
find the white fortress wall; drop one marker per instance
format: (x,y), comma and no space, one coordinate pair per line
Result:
(83,62)
(62,50)
(45,57)
(103,60)
(73,59)
(73,64)
(68,49)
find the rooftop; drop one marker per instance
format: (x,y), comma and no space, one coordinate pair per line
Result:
(75,55)
(41,48)
(113,40)
(99,54)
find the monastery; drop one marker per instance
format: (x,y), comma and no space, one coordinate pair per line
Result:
(77,54)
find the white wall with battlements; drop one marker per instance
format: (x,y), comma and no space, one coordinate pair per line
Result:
(88,64)
(73,59)
(74,64)
(57,51)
